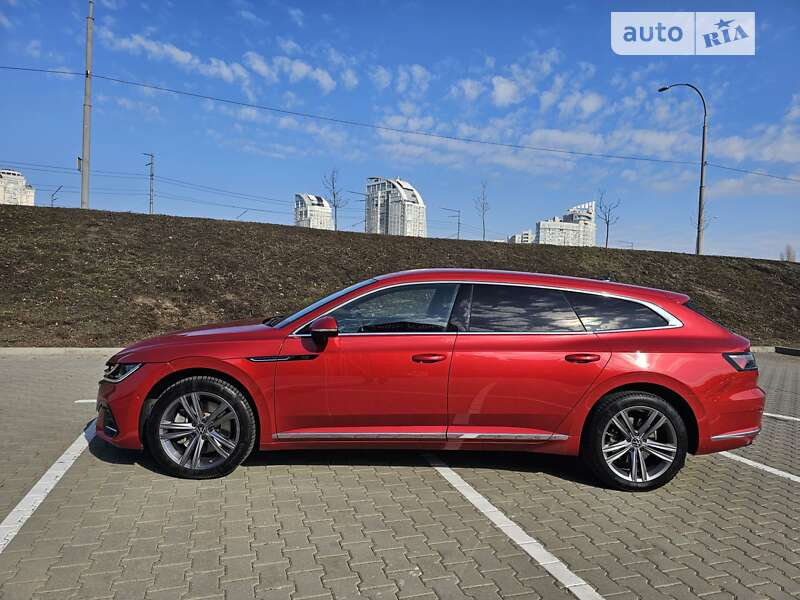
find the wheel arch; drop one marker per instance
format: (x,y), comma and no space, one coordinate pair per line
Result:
(676,400)
(171,378)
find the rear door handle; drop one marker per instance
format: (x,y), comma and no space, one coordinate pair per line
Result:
(428,358)
(582,358)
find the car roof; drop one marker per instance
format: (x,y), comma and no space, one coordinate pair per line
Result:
(543,279)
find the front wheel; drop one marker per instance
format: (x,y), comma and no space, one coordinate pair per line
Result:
(635,441)
(200,427)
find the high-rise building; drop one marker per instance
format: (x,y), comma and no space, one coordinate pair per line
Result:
(394,207)
(577,227)
(312,211)
(15,190)
(523,237)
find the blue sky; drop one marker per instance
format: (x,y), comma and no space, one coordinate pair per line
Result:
(521,72)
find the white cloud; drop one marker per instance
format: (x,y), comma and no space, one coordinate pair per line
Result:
(413,79)
(257,63)
(156,50)
(5,22)
(113,4)
(297,15)
(794,108)
(34,48)
(567,140)
(298,70)
(349,78)
(381,77)
(250,17)
(580,104)
(505,92)
(548,98)
(289,46)
(469,89)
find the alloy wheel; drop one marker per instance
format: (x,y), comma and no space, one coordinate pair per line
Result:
(199,430)
(639,444)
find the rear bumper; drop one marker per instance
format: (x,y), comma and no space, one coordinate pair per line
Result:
(119,405)
(733,422)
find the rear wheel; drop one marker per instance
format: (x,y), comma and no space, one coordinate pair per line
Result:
(635,441)
(200,427)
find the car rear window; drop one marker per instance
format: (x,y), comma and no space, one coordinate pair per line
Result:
(520,309)
(604,313)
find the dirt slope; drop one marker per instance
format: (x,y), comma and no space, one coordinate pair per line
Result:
(90,278)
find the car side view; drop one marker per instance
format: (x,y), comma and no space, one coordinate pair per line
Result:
(631,379)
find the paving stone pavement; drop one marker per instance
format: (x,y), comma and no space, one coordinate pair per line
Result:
(38,415)
(349,524)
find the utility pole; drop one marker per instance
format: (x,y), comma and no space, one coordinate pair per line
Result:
(457,214)
(53,196)
(152,165)
(701,223)
(87,110)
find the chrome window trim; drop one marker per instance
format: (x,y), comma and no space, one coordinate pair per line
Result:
(672,321)
(736,434)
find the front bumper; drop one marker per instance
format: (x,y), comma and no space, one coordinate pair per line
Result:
(119,405)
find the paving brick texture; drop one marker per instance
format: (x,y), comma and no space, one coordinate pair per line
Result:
(349,524)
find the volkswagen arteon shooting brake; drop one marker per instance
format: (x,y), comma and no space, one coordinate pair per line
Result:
(628,378)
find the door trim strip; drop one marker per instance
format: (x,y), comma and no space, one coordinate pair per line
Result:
(359,435)
(411,435)
(512,437)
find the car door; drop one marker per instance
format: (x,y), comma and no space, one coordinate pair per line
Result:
(524,361)
(384,376)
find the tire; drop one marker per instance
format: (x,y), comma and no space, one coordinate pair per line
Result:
(616,456)
(225,430)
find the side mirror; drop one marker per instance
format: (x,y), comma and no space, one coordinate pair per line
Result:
(323,328)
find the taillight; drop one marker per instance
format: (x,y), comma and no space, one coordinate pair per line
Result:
(741,361)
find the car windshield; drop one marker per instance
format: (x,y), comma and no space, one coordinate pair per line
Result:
(329,298)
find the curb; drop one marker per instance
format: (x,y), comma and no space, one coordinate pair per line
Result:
(762,348)
(54,351)
(787,350)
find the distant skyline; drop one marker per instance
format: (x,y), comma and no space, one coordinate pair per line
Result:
(514,72)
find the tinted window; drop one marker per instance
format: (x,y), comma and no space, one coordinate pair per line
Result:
(501,308)
(601,313)
(404,309)
(322,302)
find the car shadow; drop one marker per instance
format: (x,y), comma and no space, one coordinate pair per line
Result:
(562,467)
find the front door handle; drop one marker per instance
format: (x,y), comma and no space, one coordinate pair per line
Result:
(582,358)
(428,358)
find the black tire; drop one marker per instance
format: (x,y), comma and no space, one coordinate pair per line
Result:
(626,473)
(238,428)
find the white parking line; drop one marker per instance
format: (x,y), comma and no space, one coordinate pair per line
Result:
(26,507)
(87,401)
(782,417)
(761,466)
(532,547)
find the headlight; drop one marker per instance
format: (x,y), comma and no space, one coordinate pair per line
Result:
(116,372)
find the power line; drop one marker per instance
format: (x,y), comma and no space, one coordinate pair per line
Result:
(361,124)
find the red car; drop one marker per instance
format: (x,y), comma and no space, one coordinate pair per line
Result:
(629,378)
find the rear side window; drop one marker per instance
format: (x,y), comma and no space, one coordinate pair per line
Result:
(601,313)
(520,309)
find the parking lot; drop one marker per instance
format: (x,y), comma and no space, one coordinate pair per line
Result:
(395,524)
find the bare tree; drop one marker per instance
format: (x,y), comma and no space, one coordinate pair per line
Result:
(789,254)
(482,206)
(330,181)
(607,212)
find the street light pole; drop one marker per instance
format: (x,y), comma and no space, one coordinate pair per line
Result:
(700,200)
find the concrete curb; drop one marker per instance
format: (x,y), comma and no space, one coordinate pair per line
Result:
(762,348)
(55,351)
